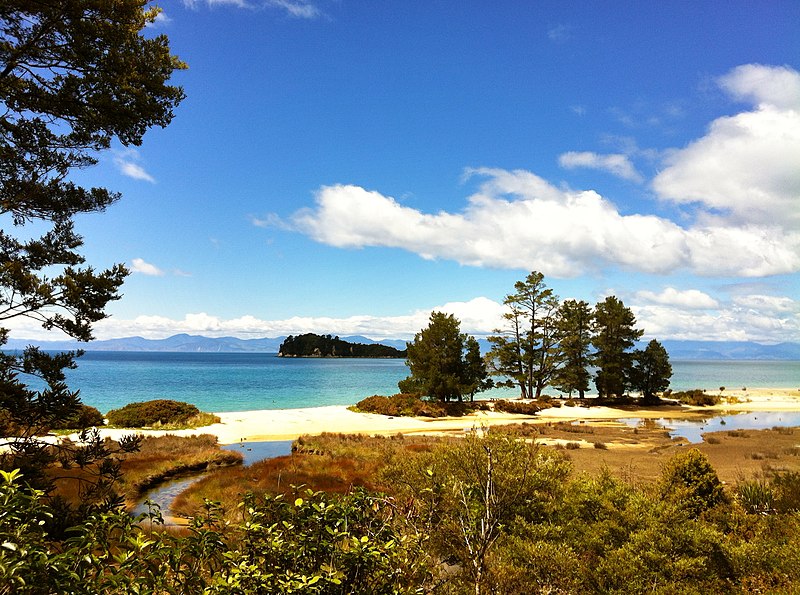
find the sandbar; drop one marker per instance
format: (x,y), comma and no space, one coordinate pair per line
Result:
(289,424)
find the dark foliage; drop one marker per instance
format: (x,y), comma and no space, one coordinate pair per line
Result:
(311,345)
(521,407)
(86,416)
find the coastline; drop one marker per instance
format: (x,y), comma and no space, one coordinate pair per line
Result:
(289,424)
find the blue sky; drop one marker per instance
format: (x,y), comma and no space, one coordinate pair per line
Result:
(346,167)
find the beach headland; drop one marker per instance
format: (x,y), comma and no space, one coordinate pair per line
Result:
(289,424)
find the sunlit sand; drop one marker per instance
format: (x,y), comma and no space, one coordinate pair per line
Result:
(288,424)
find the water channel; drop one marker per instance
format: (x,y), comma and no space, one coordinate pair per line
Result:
(165,494)
(693,430)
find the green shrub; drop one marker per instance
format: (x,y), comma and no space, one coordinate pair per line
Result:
(147,413)
(696,397)
(689,479)
(402,405)
(520,407)
(787,488)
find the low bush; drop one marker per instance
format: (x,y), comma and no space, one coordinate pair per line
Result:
(696,397)
(521,407)
(409,405)
(148,413)
(402,405)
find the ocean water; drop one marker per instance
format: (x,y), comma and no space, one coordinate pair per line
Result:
(250,381)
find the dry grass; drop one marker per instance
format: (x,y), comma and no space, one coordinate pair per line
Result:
(736,455)
(158,459)
(329,462)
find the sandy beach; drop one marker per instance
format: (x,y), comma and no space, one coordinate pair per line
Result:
(288,424)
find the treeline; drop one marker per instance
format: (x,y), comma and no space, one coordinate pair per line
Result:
(544,342)
(312,345)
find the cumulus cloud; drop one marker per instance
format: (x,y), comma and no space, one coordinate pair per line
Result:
(689,298)
(615,164)
(142,267)
(127,162)
(769,304)
(665,315)
(746,169)
(518,220)
(479,316)
(752,318)
(763,85)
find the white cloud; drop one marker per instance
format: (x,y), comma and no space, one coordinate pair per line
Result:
(690,298)
(212,3)
(301,9)
(559,33)
(764,85)
(753,318)
(746,169)
(518,220)
(615,164)
(767,303)
(479,316)
(758,318)
(297,8)
(127,163)
(138,265)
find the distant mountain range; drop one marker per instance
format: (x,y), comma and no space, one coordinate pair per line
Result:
(184,343)
(678,350)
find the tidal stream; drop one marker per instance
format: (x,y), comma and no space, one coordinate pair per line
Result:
(164,495)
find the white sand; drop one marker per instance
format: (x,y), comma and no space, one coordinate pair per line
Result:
(288,424)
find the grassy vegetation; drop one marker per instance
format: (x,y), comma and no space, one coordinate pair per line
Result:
(162,457)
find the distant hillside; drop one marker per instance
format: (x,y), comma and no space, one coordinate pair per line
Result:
(312,345)
(678,350)
(730,350)
(176,343)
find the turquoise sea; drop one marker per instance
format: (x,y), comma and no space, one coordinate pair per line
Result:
(250,381)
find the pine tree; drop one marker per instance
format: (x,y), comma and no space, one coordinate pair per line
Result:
(526,351)
(614,336)
(575,340)
(651,371)
(445,364)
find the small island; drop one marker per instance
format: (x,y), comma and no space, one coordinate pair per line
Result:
(312,345)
